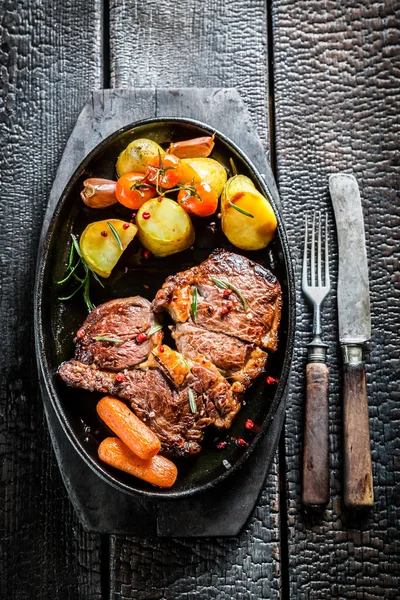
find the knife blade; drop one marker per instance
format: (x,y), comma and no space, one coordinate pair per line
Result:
(354,330)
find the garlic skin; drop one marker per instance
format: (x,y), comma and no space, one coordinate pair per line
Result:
(99,193)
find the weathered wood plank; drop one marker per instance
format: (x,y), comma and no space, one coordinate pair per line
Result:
(336,105)
(205,44)
(48,67)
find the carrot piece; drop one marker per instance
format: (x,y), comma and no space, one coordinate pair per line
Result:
(126,425)
(197,148)
(158,470)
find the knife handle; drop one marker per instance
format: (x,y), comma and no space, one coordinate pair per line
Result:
(358,488)
(316,437)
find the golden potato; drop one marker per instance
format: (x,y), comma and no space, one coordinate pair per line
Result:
(251,231)
(136,155)
(99,245)
(167,230)
(209,170)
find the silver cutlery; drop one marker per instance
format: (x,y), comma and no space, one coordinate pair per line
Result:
(316,286)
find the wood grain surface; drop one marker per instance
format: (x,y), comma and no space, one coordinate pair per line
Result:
(47,69)
(336,105)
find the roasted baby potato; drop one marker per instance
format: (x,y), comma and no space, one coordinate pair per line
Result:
(209,170)
(99,245)
(164,227)
(136,156)
(251,231)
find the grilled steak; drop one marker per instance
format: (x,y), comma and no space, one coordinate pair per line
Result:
(166,411)
(159,395)
(237,360)
(219,310)
(119,320)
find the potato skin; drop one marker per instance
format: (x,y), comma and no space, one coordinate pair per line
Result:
(168,230)
(102,252)
(209,170)
(136,155)
(242,231)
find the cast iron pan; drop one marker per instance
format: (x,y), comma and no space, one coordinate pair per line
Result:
(56,322)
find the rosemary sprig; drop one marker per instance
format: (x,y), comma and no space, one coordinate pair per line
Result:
(153,330)
(241,210)
(192,401)
(105,338)
(228,285)
(194,302)
(115,234)
(84,282)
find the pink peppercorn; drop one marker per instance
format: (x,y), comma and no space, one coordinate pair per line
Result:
(146,215)
(141,337)
(161,348)
(147,254)
(120,377)
(104,233)
(241,442)
(221,445)
(80,333)
(125,226)
(249,424)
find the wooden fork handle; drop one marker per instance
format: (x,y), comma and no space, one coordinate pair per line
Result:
(316,442)
(358,489)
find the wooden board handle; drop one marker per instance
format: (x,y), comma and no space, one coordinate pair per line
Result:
(316,443)
(358,489)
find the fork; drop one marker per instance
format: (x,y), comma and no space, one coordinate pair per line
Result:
(316,458)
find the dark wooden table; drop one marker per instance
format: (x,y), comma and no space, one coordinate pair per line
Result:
(321,81)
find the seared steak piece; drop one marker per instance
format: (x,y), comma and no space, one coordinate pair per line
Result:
(120,320)
(166,411)
(221,311)
(239,361)
(220,399)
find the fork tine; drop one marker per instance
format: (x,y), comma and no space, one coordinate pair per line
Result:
(305,274)
(319,251)
(327,280)
(312,267)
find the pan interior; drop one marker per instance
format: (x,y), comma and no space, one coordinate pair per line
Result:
(136,275)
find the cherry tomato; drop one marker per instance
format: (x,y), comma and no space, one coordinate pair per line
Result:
(132,190)
(198,198)
(164,171)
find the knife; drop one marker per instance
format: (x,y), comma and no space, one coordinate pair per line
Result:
(354,331)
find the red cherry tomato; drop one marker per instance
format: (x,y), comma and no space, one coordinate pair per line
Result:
(132,190)
(164,171)
(199,199)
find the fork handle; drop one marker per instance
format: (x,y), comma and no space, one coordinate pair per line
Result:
(316,443)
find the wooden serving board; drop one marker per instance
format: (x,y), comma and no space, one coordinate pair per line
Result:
(101,507)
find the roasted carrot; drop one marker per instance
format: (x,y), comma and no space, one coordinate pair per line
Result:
(125,424)
(197,148)
(158,470)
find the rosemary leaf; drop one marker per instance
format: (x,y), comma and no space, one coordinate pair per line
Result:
(241,210)
(105,338)
(153,330)
(73,293)
(233,167)
(115,234)
(192,401)
(71,272)
(194,302)
(185,362)
(71,256)
(219,283)
(86,297)
(228,285)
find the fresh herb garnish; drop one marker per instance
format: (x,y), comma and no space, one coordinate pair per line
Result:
(194,302)
(241,210)
(84,282)
(185,362)
(227,285)
(105,338)
(154,329)
(115,234)
(233,167)
(192,401)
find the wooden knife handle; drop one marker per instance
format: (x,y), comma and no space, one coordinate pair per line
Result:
(316,437)
(358,488)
